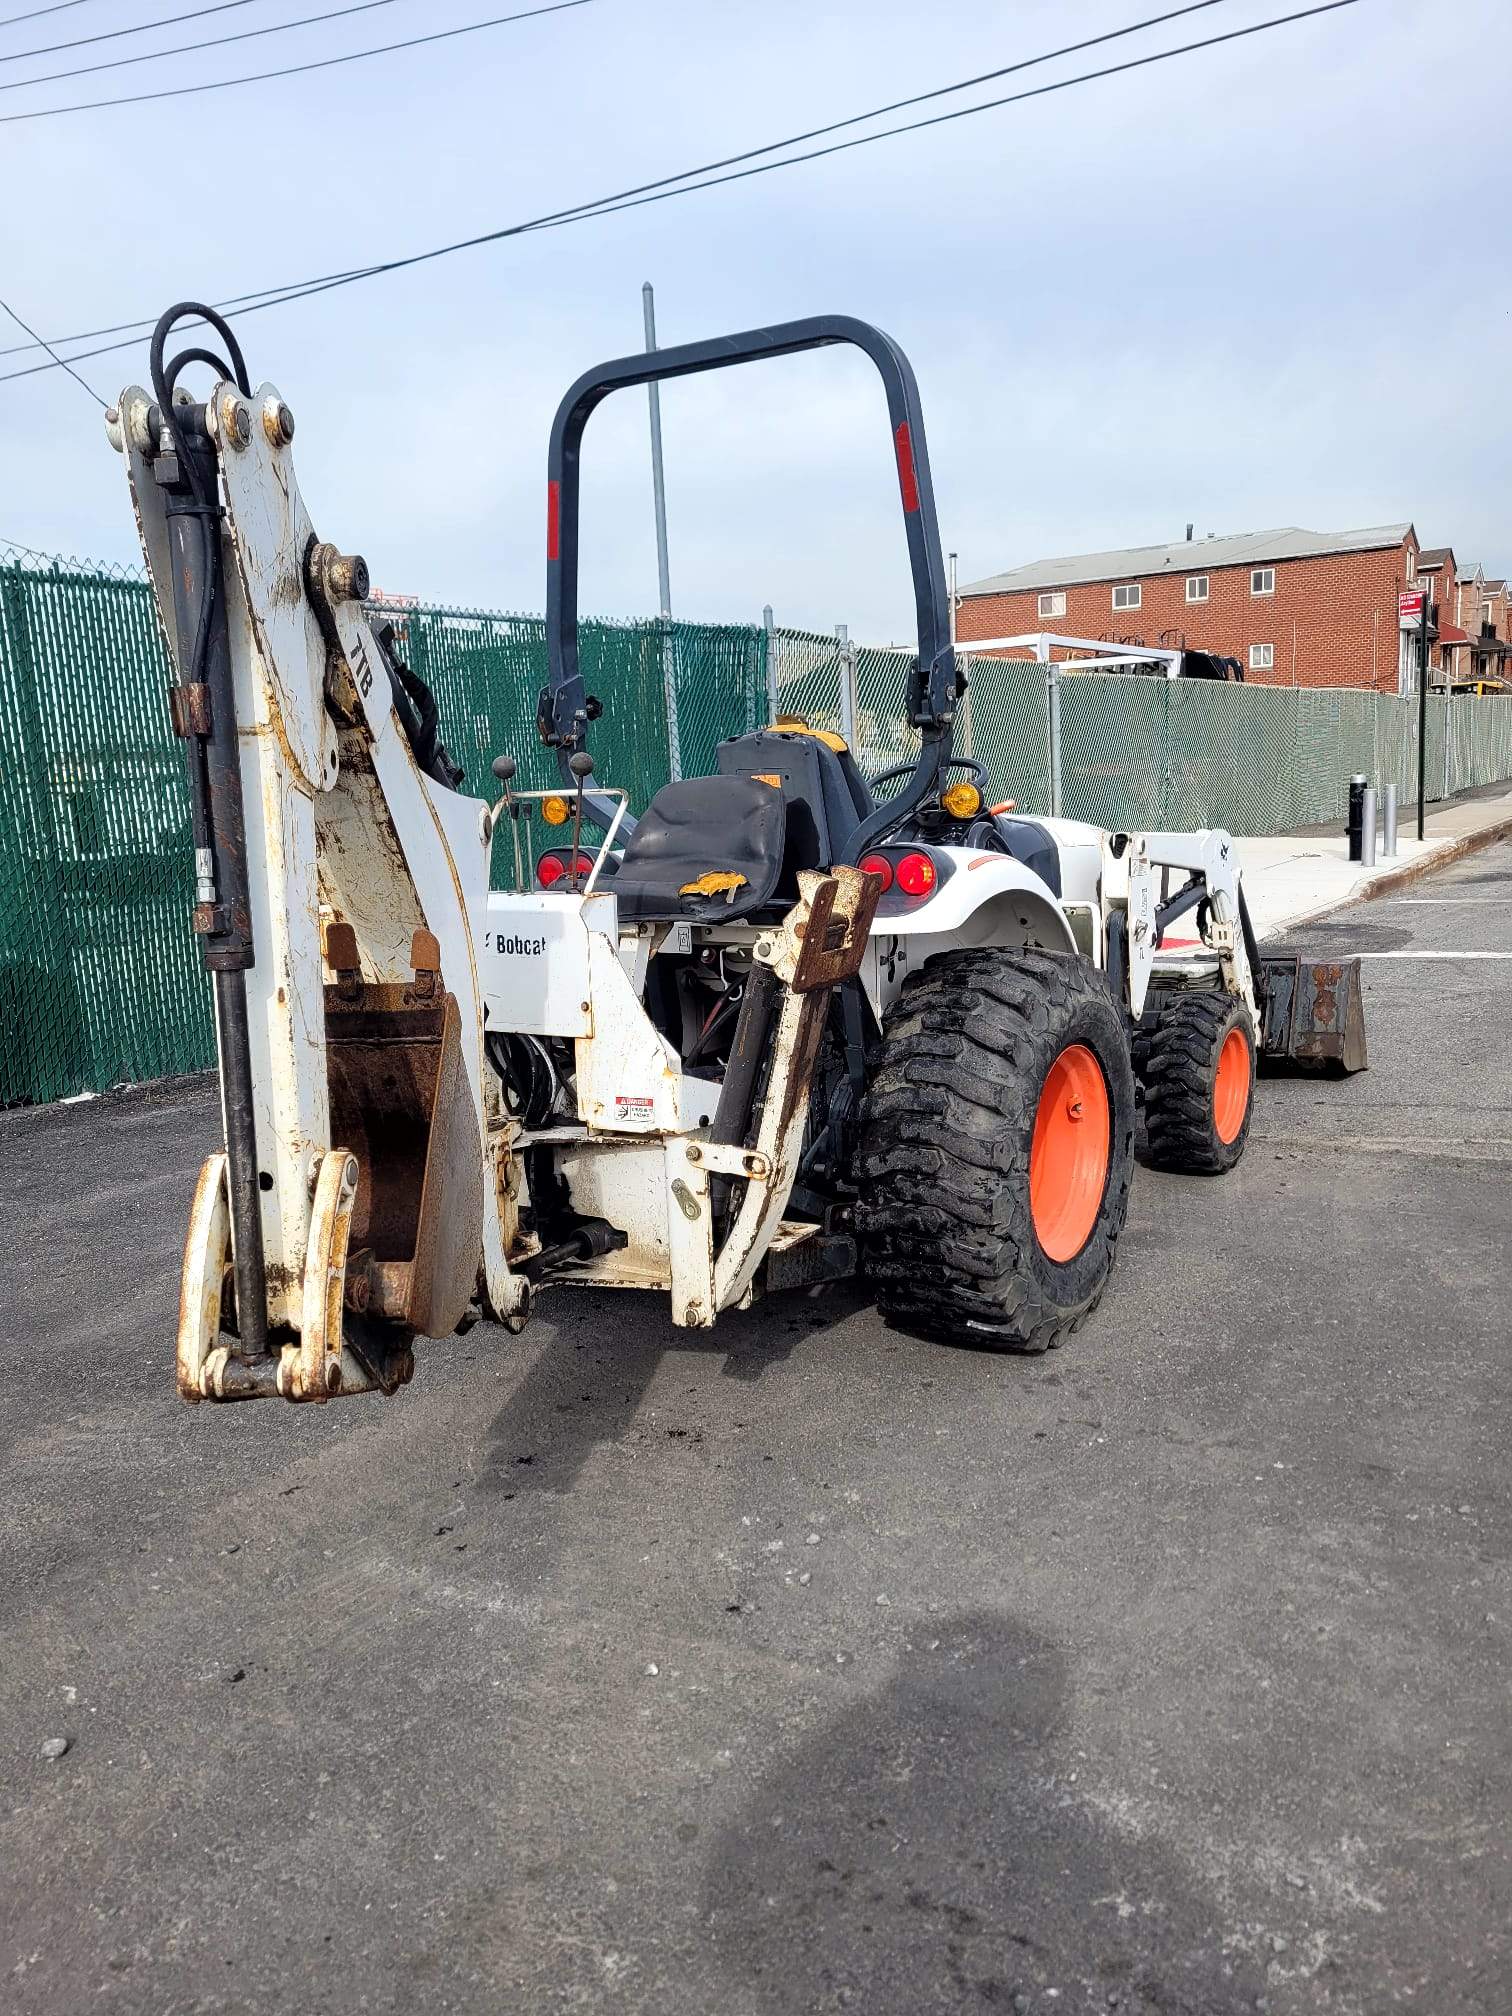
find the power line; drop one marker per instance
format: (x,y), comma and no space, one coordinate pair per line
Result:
(708,167)
(270,295)
(625,200)
(294,69)
(187,48)
(63,362)
(607,206)
(114,34)
(35,13)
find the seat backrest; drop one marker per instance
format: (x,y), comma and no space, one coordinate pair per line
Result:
(700,827)
(824,794)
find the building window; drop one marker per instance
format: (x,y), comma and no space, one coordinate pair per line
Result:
(1053,604)
(1411,564)
(1127,595)
(1262,657)
(1262,580)
(1197,587)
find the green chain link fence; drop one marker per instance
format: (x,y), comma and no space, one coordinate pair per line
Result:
(100,982)
(1185,753)
(487,671)
(99,979)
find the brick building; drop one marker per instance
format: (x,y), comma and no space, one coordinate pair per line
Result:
(1474,618)
(1294,607)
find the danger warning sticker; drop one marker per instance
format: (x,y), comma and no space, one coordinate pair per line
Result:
(635,1106)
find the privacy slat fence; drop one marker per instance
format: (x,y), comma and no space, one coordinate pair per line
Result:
(99,980)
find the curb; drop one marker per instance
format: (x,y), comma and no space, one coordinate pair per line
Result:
(1388,884)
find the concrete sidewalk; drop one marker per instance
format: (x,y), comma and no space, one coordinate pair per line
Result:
(1293,878)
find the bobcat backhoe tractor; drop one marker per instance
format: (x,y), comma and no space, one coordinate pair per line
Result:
(786,1025)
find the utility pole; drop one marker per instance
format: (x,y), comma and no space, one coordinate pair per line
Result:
(849,707)
(663,569)
(658,479)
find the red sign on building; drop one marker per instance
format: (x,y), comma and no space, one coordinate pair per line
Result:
(1410,603)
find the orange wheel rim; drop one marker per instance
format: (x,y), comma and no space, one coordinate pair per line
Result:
(1068,1156)
(1231,1087)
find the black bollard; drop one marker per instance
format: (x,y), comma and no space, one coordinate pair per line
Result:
(1356,827)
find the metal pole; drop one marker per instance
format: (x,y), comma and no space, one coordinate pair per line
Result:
(658,478)
(848,707)
(663,567)
(1422,712)
(1042,652)
(769,625)
(1368,828)
(963,712)
(1389,822)
(1448,736)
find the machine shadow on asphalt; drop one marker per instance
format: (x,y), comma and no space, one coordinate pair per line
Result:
(587,1383)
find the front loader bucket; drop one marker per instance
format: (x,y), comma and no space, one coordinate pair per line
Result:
(1313,1013)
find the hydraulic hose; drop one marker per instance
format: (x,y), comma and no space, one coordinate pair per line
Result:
(208,720)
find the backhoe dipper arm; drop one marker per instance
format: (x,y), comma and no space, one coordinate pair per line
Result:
(932,685)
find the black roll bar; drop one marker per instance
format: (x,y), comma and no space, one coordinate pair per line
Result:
(563,716)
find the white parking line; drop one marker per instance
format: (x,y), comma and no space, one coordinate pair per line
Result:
(1425,901)
(1430,955)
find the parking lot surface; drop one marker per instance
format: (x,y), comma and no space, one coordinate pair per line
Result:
(802,1666)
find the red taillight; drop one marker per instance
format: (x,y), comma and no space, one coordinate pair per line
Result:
(916,875)
(553,521)
(551,868)
(880,866)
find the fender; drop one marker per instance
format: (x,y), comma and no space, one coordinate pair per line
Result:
(990,899)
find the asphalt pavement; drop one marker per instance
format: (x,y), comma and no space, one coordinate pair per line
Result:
(803,1666)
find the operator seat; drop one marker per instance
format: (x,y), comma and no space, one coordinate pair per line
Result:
(814,777)
(786,798)
(707,850)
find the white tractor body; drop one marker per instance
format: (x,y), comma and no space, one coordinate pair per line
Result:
(439,1096)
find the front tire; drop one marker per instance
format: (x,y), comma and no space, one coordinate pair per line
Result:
(997,1148)
(1196,1059)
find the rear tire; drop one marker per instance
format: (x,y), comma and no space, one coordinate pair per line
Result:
(968,1169)
(1196,1062)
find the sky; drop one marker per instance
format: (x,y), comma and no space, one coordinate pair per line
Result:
(1263,284)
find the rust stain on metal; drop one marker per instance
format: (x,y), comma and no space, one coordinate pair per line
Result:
(189,708)
(833,935)
(339,945)
(806,1041)
(297,778)
(399,1097)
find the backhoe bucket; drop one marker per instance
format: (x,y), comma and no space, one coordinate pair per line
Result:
(1313,1013)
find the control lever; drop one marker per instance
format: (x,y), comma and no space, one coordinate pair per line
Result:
(504,768)
(580,763)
